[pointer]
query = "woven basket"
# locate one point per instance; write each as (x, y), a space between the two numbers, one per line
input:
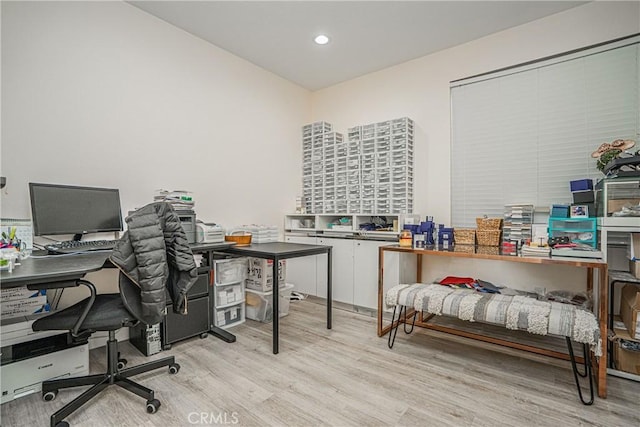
(467, 249)
(488, 237)
(488, 250)
(464, 236)
(489, 223)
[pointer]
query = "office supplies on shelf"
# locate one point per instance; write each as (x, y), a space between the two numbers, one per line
(17, 233)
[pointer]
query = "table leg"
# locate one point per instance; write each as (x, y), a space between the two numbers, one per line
(603, 312)
(329, 295)
(276, 305)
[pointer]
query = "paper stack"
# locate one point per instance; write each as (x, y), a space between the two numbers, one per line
(180, 200)
(541, 251)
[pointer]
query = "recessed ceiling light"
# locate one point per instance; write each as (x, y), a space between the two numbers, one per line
(321, 39)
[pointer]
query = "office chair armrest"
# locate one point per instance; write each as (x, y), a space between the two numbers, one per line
(53, 285)
(69, 284)
(85, 311)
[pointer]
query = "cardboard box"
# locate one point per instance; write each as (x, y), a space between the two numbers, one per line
(260, 274)
(634, 268)
(633, 253)
(629, 308)
(624, 359)
(24, 307)
(615, 205)
(13, 294)
(37, 301)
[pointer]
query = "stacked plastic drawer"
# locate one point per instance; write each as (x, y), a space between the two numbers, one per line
(401, 165)
(371, 173)
(313, 166)
(518, 220)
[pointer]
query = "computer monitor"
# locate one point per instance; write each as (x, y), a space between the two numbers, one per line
(67, 209)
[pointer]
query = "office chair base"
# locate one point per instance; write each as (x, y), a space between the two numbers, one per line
(99, 382)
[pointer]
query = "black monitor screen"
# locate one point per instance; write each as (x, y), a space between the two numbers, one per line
(65, 209)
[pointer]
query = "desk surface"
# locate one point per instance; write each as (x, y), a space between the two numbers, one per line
(280, 250)
(44, 268)
(494, 253)
(47, 268)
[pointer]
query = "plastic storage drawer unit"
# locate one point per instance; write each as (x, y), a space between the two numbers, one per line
(580, 230)
(231, 316)
(232, 270)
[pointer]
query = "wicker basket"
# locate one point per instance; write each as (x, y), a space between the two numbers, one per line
(489, 223)
(467, 249)
(464, 236)
(488, 250)
(489, 237)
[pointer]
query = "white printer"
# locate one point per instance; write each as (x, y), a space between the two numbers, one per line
(29, 358)
(209, 233)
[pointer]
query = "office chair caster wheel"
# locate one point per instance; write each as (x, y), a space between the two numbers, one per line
(62, 424)
(204, 335)
(174, 368)
(122, 363)
(50, 395)
(152, 406)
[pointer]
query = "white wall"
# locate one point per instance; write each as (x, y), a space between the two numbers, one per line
(419, 89)
(103, 94)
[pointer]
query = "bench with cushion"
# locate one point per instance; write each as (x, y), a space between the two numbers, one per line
(508, 311)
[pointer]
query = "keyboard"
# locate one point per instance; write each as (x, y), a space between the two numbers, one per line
(79, 246)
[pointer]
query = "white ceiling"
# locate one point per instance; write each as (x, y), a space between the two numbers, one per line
(366, 36)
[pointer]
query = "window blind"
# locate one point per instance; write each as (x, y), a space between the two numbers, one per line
(521, 136)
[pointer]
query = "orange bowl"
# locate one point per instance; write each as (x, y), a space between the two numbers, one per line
(240, 239)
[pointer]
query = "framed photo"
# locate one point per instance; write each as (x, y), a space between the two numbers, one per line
(579, 211)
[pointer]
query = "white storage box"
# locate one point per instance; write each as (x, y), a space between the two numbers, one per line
(24, 307)
(229, 294)
(232, 270)
(259, 307)
(13, 294)
(260, 275)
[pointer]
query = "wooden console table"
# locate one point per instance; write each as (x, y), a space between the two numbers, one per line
(590, 264)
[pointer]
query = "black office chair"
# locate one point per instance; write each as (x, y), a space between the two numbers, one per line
(104, 312)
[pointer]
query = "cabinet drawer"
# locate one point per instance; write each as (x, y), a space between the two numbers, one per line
(231, 270)
(577, 225)
(200, 287)
(227, 317)
(176, 327)
(226, 295)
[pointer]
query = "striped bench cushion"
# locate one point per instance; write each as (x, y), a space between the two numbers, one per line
(512, 312)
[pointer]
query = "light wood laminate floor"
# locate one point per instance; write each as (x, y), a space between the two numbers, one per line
(343, 377)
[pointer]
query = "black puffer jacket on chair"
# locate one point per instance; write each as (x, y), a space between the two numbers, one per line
(155, 254)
